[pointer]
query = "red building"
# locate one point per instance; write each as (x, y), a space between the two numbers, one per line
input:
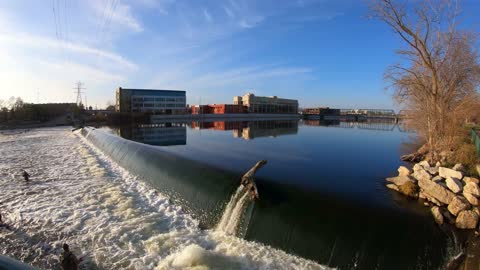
(218, 109)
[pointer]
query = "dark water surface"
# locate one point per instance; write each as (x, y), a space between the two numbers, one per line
(322, 193)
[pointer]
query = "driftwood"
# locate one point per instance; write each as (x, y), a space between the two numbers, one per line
(414, 157)
(418, 156)
(248, 179)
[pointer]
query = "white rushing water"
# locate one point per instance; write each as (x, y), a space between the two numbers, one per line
(79, 196)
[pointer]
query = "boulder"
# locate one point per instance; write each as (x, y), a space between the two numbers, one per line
(470, 198)
(409, 189)
(417, 167)
(478, 169)
(422, 174)
(446, 172)
(436, 191)
(437, 215)
(454, 184)
(437, 178)
(467, 219)
(458, 167)
(399, 180)
(422, 195)
(458, 204)
(403, 171)
(424, 164)
(432, 170)
(467, 179)
(434, 201)
(472, 188)
(438, 164)
(392, 186)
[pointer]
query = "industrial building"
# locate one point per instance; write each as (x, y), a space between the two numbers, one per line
(149, 100)
(258, 104)
(218, 109)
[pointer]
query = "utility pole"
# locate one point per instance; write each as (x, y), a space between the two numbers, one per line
(79, 87)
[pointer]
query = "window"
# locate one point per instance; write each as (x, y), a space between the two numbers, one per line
(148, 99)
(170, 99)
(159, 99)
(148, 105)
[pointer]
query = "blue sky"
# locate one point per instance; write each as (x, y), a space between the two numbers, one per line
(321, 52)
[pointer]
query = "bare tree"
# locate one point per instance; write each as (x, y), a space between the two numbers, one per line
(439, 74)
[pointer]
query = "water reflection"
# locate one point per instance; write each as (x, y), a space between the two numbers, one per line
(370, 124)
(168, 134)
(250, 130)
(160, 134)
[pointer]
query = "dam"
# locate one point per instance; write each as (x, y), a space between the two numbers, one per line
(312, 222)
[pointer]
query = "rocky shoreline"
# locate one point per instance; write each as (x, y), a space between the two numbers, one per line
(452, 196)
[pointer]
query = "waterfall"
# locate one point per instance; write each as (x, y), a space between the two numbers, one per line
(232, 216)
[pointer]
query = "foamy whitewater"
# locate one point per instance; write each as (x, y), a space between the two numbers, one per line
(109, 218)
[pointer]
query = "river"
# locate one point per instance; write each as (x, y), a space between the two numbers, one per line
(322, 202)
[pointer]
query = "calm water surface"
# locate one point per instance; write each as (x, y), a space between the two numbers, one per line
(350, 160)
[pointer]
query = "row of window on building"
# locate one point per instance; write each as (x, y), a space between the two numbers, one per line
(157, 99)
(174, 102)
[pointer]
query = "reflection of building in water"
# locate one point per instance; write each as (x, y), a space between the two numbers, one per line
(219, 125)
(270, 128)
(252, 129)
(159, 134)
(373, 124)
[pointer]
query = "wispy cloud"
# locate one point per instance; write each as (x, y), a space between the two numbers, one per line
(32, 41)
(207, 15)
(229, 12)
(250, 22)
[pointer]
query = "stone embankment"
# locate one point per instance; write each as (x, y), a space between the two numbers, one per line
(452, 196)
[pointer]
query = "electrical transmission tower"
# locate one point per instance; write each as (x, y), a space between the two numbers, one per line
(79, 87)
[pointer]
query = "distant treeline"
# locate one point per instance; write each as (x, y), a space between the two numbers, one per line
(15, 110)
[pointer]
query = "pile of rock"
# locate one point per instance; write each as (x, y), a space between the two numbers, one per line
(454, 197)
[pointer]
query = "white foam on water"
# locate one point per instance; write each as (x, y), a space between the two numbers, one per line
(79, 196)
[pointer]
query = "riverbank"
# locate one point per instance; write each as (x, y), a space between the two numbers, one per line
(453, 198)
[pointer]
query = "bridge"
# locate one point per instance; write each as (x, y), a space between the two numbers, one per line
(326, 113)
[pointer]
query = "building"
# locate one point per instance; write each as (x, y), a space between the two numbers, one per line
(218, 109)
(257, 104)
(148, 100)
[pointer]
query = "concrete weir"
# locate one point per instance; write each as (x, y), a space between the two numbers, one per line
(202, 190)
